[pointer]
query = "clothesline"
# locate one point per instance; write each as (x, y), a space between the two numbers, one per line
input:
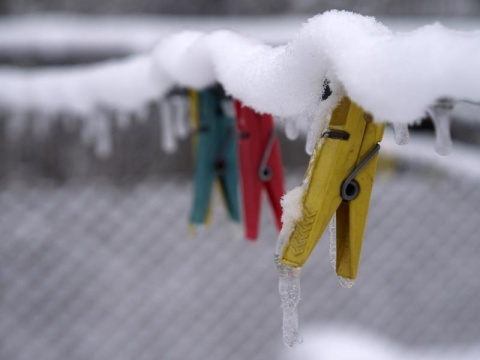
(394, 76)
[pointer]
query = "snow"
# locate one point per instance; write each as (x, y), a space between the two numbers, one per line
(395, 76)
(123, 85)
(341, 342)
(292, 204)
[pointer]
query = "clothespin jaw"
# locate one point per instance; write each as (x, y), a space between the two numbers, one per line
(339, 180)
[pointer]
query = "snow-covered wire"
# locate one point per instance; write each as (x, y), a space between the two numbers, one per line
(394, 76)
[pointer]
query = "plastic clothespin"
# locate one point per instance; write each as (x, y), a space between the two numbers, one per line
(260, 166)
(339, 180)
(215, 145)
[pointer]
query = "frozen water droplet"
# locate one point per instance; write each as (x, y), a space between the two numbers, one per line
(168, 142)
(440, 114)
(291, 129)
(332, 229)
(345, 282)
(401, 134)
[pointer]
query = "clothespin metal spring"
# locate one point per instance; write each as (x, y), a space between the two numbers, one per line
(350, 188)
(264, 171)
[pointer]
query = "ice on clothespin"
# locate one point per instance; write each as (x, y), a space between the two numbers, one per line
(401, 133)
(168, 141)
(312, 136)
(441, 115)
(332, 230)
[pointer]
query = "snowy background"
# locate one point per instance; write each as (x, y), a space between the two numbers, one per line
(96, 261)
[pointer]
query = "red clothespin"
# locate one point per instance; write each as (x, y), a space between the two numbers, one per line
(260, 166)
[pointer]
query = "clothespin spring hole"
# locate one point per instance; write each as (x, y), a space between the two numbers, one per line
(265, 173)
(220, 166)
(350, 190)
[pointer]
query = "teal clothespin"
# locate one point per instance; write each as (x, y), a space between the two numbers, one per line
(215, 142)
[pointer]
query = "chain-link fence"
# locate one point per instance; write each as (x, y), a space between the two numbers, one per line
(96, 261)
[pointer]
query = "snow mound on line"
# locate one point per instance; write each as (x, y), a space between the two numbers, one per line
(123, 85)
(394, 76)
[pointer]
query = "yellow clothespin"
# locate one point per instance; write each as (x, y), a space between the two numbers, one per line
(339, 179)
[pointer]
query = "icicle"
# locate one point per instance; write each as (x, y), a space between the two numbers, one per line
(168, 142)
(103, 140)
(181, 120)
(89, 130)
(289, 289)
(332, 229)
(401, 134)
(227, 108)
(440, 114)
(291, 129)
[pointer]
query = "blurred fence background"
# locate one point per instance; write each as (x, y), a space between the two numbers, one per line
(96, 261)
